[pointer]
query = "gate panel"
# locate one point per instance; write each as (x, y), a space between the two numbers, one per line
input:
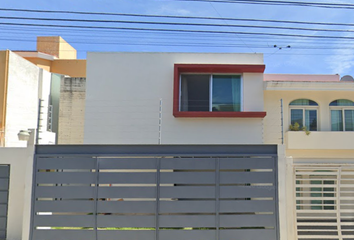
(185, 234)
(159, 197)
(248, 199)
(127, 183)
(64, 197)
(4, 193)
(325, 202)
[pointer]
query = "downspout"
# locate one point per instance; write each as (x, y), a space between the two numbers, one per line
(3, 114)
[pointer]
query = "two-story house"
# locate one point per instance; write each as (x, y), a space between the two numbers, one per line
(212, 98)
(320, 150)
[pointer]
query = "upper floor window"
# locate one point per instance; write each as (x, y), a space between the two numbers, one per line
(304, 112)
(214, 90)
(210, 92)
(342, 115)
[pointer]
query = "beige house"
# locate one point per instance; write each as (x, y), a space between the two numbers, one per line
(320, 159)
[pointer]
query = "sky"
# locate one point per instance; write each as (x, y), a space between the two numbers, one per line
(296, 55)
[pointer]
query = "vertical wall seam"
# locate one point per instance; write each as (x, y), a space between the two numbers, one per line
(276, 183)
(338, 198)
(6, 78)
(217, 197)
(33, 197)
(157, 210)
(96, 195)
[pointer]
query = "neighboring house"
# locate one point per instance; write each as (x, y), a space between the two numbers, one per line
(33, 84)
(210, 98)
(322, 175)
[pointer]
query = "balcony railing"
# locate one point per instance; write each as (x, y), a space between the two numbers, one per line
(320, 140)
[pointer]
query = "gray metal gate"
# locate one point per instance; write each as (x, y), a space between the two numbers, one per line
(155, 193)
(4, 193)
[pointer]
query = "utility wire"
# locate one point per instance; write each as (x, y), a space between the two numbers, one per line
(164, 43)
(239, 38)
(202, 39)
(176, 24)
(282, 3)
(178, 17)
(180, 30)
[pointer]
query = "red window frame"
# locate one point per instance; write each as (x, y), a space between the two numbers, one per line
(212, 68)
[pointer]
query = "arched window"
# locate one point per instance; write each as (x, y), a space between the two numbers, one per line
(304, 112)
(342, 115)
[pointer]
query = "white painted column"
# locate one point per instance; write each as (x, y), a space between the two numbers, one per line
(290, 199)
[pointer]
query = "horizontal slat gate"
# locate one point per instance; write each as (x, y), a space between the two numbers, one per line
(325, 202)
(150, 198)
(4, 193)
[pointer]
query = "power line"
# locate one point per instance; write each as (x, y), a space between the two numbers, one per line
(181, 39)
(165, 43)
(177, 17)
(180, 30)
(176, 24)
(282, 3)
(196, 45)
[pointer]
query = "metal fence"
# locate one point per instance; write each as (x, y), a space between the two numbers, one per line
(156, 193)
(4, 193)
(325, 202)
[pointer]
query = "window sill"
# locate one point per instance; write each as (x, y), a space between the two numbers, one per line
(220, 114)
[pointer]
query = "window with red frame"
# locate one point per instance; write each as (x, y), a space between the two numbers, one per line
(212, 90)
(210, 93)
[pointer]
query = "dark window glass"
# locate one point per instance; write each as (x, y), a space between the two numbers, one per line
(349, 120)
(195, 92)
(342, 102)
(303, 102)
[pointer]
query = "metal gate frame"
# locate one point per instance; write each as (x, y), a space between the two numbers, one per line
(325, 171)
(158, 151)
(4, 198)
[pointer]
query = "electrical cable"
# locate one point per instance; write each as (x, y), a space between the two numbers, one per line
(179, 30)
(176, 17)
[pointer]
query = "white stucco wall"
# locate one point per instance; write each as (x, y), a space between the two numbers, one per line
(22, 99)
(27, 83)
(21, 165)
(123, 92)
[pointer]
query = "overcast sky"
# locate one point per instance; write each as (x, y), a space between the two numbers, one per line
(304, 56)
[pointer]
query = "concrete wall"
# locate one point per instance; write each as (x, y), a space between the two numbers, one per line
(123, 93)
(22, 99)
(21, 165)
(72, 111)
